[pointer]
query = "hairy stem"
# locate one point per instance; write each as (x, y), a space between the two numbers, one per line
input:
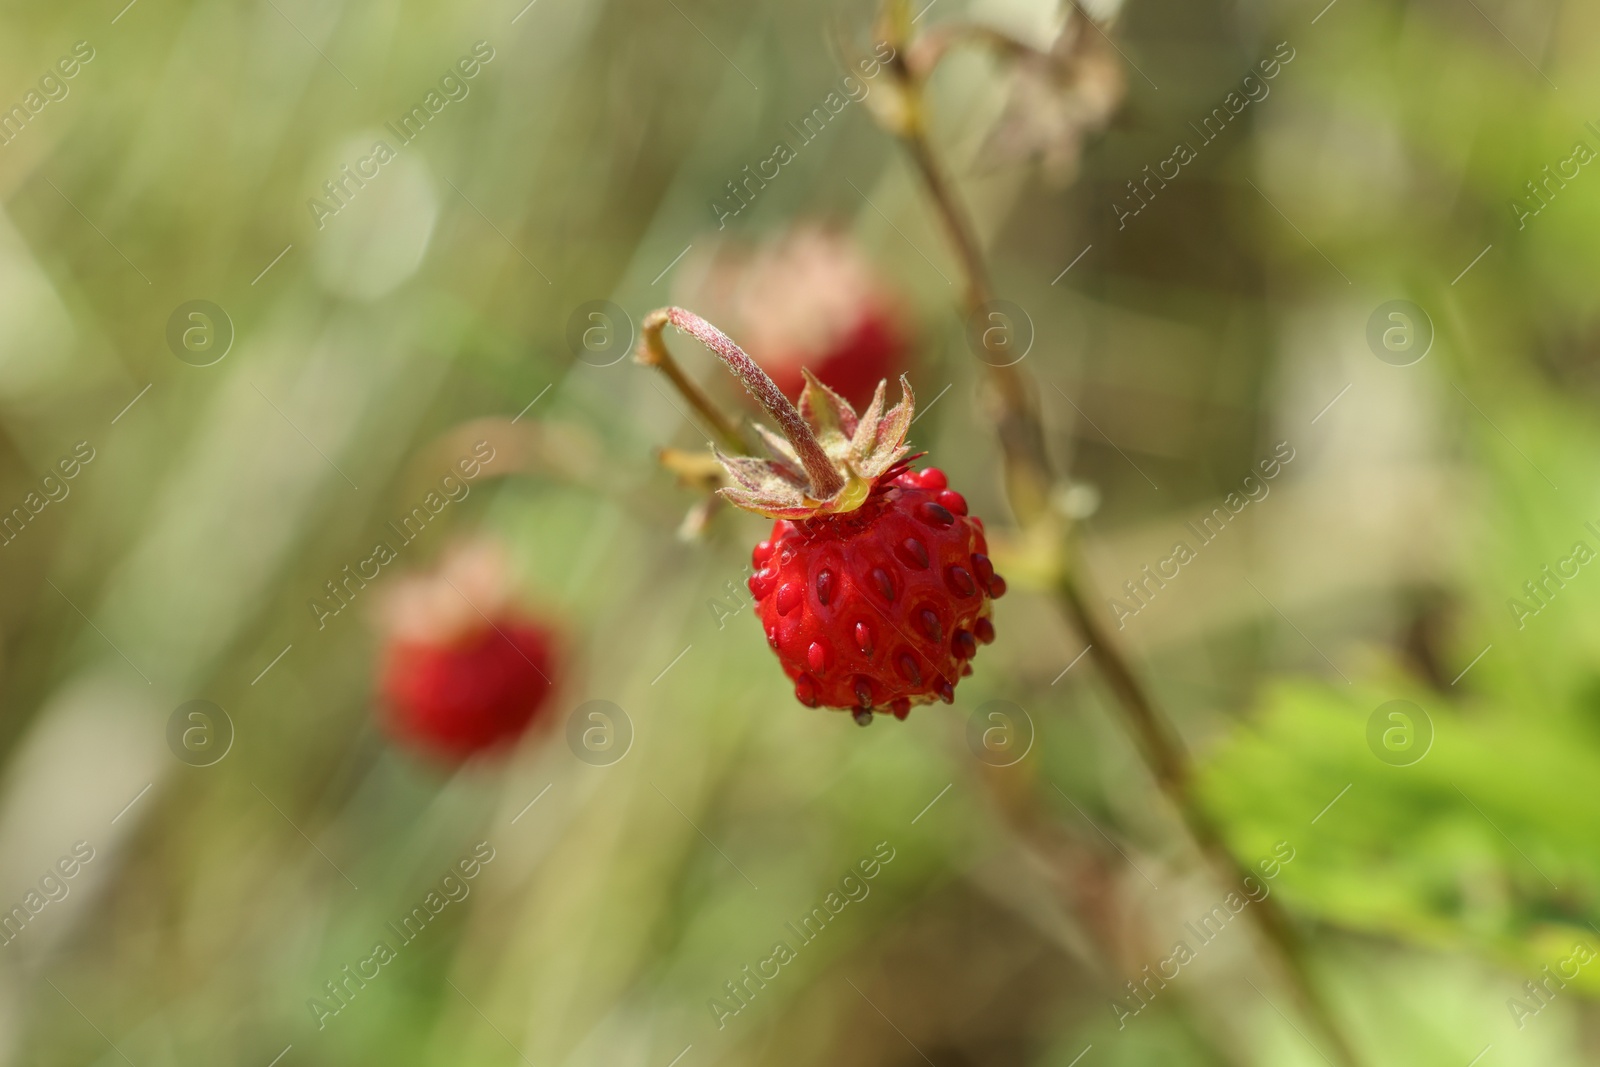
(825, 480)
(1029, 478)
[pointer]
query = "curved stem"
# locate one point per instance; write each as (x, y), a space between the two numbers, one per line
(1029, 477)
(826, 481)
(958, 227)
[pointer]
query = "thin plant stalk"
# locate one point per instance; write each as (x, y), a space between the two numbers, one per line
(1029, 478)
(653, 352)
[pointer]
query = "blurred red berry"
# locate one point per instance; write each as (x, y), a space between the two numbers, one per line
(464, 671)
(852, 365)
(479, 693)
(809, 300)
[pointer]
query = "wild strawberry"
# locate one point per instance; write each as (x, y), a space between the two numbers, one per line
(875, 585)
(463, 671)
(883, 606)
(809, 299)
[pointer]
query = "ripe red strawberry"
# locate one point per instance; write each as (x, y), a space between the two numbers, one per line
(464, 672)
(881, 607)
(875, 585)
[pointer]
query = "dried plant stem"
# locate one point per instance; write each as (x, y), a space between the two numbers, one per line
(1029, 479)
(826, 481)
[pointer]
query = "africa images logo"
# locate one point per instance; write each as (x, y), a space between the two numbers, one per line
(853, 90)
(454, 85)
(852, 887)
(1211, 127)
(454, 887)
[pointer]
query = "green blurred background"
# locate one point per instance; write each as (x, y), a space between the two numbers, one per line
(1433, 879)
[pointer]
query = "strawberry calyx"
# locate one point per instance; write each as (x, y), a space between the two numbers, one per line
(862, 449)
(827, 460)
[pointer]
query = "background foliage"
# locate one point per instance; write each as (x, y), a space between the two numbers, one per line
(435, 307)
